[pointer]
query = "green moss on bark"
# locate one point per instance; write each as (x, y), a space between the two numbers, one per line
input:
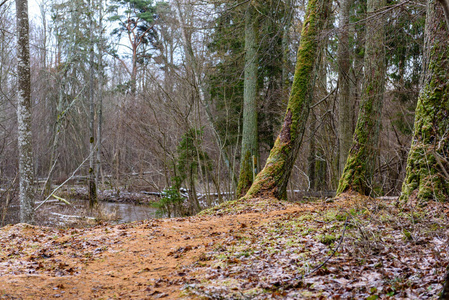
(250, 145)
(428, 160)
(359, 167)
(246, 175)
(273, 179)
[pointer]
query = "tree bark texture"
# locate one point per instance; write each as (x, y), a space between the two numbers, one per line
(26, 170)
(250, 145)
(428, 160)
(445, 4)
(285, 49)
(360, 164)
(100, 97)
(273, 179)
(92, 178)
(345, 104)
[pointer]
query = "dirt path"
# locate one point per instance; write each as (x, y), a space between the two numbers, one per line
(143, 260)
(261, 249)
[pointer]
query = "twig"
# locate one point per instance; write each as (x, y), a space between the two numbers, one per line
(3, 3)
(388, 198)
(324, 99)
(72, 216)
(332, 254)
(61, 199)
(59, 186)
(48, 178)
(438, 158)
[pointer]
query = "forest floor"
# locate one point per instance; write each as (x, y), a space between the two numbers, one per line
(259, 249)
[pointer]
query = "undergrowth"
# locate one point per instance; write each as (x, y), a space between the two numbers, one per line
(387, 252)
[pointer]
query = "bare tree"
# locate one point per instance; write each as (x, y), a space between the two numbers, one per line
(26, 170)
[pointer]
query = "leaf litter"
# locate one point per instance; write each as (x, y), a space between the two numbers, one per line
(257, 249)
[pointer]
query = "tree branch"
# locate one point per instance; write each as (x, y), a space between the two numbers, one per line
(3, 3)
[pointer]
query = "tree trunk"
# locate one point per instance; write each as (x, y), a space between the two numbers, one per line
(445, 4)
(250, 145)
(428, 160)
(311, 160)
(360, 163)
(273, 179)
(55, 145)
(345, 105)
(92, 183)
(100, 98)
(26, 171)
(285, 48)
(193, 64)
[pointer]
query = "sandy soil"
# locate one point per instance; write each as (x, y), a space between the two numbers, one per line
(259, 249)
(142, 260)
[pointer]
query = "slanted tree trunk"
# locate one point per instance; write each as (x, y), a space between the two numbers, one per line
(273, 179)
(26, 171)
(285, 85)
(428, 160)
(250, 144)
(345, 105)
(359, 168)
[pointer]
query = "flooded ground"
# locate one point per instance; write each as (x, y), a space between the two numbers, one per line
(57, 214)
(128, 212)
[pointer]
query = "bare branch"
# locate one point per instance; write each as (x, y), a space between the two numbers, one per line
(3, 3)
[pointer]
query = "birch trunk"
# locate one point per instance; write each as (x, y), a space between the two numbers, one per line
(26, 171)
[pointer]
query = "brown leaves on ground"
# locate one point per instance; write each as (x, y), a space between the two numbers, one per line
(261, 249)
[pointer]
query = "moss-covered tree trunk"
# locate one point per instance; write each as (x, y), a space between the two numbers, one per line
(250, 145)
(428, 160)
(273, 179)
(359, 168)
(345, 101)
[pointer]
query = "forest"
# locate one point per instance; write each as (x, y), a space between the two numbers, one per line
(277, 149)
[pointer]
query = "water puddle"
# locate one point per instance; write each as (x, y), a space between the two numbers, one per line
(55, 213)
(128, 212)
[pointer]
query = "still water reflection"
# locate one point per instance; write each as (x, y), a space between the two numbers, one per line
(58, 214)
(127, 212)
